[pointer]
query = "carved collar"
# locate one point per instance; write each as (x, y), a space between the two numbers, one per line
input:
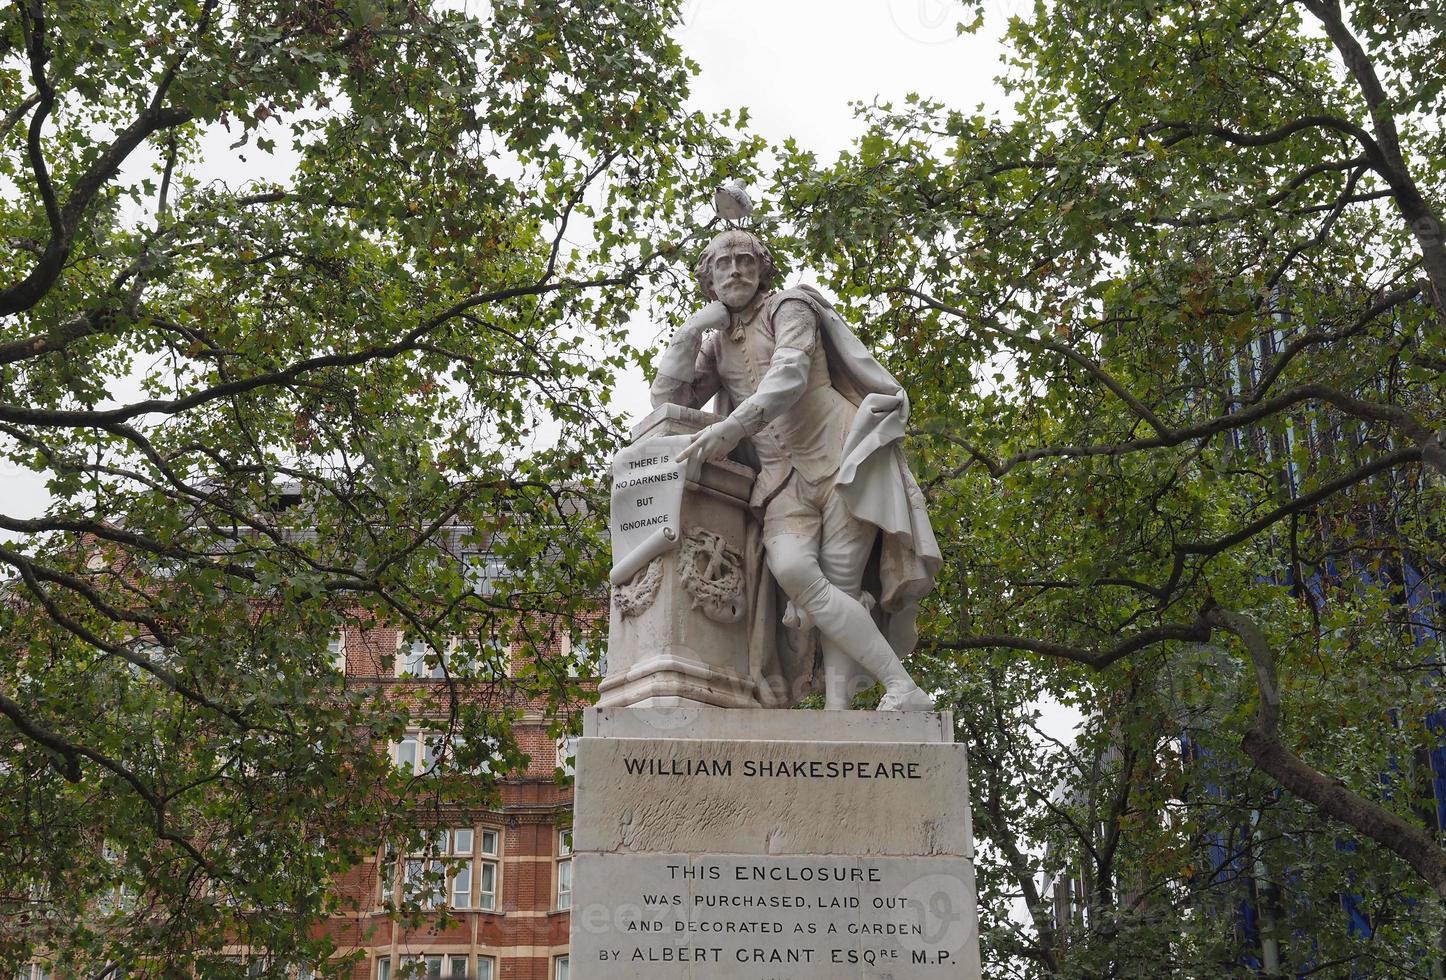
(739, 319)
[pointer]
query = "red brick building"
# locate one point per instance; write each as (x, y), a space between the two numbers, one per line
(508, 885)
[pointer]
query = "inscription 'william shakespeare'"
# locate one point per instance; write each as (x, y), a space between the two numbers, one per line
(772, 769)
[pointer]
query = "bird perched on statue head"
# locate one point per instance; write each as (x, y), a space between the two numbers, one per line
(732, 202)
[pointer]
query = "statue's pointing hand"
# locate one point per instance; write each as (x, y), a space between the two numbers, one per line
(714, 442)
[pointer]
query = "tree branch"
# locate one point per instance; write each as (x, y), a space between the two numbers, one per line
(1425, 225)
(172, 406)
(1091, 366)
(13, 117)
(1262, 743)
(1254, 412)
(65, 219)
(1196, 632)
(1302, 503)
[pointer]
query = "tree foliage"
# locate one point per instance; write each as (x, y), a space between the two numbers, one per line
(1173, 331)
(295, 310)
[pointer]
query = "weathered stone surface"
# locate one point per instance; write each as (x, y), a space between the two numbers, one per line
(672, 644)
(680, 718)
(855, 862)
(845, 532)
(772, 797)
(673, 916)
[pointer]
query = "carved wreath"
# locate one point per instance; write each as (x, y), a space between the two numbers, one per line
(713, 576)
(638, 595)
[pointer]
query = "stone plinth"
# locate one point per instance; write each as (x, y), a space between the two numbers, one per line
(771, 845)
(667, 638)
(676, 718)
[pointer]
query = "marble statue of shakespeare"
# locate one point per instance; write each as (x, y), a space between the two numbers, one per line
(840, 525)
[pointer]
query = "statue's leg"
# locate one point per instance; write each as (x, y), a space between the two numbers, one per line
(844, 547)
(842, 619)
(845, 544)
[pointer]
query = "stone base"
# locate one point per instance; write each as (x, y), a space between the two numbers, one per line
(683, 718)
(771, 845)
(679, 678)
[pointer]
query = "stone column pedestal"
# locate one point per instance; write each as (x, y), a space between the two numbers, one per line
(678, 630)
(769, 844)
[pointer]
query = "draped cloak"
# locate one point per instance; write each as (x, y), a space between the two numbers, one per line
(876, 485)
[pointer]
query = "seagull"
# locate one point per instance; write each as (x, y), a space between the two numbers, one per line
(732, 202)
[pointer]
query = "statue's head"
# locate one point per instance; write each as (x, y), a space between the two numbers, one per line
(734, 267)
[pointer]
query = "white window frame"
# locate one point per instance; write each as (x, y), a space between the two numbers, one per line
(409, 744)
(561, 967)
(463, 868)
(488, 860)
(563, 896)
(336, 647)
(481, 859)
(448, 965)
(567, 754)
(584, 640)
(482, 570)
(423, 746)
(411, 661)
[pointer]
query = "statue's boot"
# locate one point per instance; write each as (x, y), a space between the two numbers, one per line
(847, 626)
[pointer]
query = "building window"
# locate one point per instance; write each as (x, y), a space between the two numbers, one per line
(567, 755)
(429, 753)
(483, 570)
(564, 870)
(458, 867)
(495, 657)
(559, 968)
(408, 752)
(412, 661)
(589, 652)
(121, 896)
(472, 857)
(424, 879)
(436, 966)
(418, 877)
(461, 842)
(336, 649)
(489, 848)
(463, 660)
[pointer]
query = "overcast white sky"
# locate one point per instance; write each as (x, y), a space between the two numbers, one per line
(798, 64)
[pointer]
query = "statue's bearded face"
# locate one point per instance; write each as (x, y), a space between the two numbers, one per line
(735, 274)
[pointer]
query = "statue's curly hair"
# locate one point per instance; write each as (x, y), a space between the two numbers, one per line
(767, 268)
